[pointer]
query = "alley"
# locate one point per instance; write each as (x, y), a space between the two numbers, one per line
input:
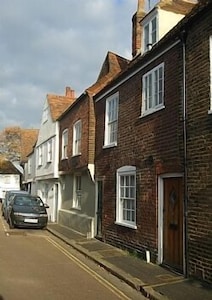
(35, 265)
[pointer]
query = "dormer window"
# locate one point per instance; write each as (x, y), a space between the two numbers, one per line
(150, 33)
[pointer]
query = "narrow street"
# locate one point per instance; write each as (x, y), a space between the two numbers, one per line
(36, 265)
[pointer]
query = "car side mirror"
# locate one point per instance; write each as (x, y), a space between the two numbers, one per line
(46, 205)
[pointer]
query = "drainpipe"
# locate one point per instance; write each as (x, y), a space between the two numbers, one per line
(183, 40)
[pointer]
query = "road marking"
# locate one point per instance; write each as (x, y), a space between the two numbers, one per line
(100, 279)
(3, 225)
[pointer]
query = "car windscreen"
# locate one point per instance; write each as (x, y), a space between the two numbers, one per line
(28, 201)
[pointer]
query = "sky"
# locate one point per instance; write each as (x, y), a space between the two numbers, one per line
(47, 45)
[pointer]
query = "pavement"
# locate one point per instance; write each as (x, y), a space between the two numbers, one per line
(153, 281)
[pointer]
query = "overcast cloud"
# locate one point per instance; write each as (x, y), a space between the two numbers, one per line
(47, 45)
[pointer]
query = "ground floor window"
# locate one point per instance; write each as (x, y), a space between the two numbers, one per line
(126, 196)
(77, 192)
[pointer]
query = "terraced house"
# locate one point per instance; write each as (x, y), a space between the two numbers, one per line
(47, 151)
(79, 209)
(152, 123)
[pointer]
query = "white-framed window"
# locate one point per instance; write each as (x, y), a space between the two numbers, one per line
(65, 144)
(40, 155)
(150, 33)
(77, 134)
(153, 90)
(29, 165)
(126, 196)
(111, 120)
(49, 150)
(77, 192)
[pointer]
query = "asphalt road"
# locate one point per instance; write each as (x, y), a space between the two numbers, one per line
(36, 265)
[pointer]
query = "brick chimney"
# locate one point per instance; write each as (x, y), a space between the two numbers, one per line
(70, 93)
(136, 28)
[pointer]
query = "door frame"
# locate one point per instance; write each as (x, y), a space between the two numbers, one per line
(98, 218)
(160, 216)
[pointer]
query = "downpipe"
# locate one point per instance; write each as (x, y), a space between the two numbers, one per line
(183, 40)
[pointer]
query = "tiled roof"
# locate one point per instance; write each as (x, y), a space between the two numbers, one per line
(28, 139)
(6, 167)
(58, 104)
(177, 6)
(112, 66)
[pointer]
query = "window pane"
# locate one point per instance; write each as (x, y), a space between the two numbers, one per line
(153, 23)
(153, 88)
(146, 37)
(150, 91)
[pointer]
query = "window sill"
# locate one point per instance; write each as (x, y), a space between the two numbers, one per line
(74, 155)
(126, 225)
(109, 146)
(64, 158)
(152, 111)
(76, 208)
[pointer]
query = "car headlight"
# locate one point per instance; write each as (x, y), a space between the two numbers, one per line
(43, 215)
(17, 214)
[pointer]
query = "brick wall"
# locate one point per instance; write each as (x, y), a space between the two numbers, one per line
(81, 110)
(199, 148)
(153, 144)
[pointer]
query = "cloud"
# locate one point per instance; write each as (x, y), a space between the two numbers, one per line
(48, 45)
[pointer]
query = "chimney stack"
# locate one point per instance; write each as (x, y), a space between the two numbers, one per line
(136, 28)
(70, 93)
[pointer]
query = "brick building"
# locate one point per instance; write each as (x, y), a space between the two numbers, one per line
(76, 154)
(147, 144)
(198, 68)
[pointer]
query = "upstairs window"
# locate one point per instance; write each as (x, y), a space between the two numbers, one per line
(29, 165)
(49, 151)
(40, 156)
(126, 196)
(65, 144)
(77, 133)
(153, 90)
(111, 120)
(150, 34)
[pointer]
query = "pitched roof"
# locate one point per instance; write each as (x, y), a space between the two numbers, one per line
(112, 65)
(58, 104)
(28, 139)
(7, 167)
(177, 6)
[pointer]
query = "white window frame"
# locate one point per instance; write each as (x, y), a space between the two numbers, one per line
(77, 136)
(153, 90)
(49, 150)
(148, 40)
(40, 155)
(77, 192)
(126, 194)
(29, 165)
(111, 120)
(65, 144)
